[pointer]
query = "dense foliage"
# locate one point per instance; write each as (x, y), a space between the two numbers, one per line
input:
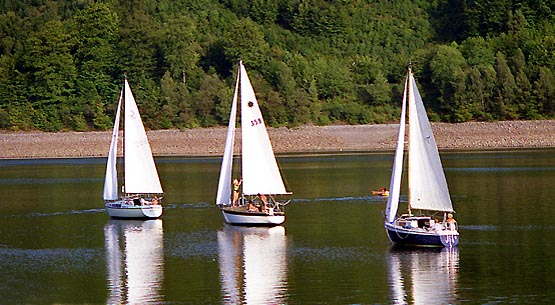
(62, 62)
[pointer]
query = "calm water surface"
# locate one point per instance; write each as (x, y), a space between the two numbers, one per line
(57, 244)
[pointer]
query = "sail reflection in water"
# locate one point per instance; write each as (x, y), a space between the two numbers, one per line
(253, 265)
(423, 275)
(135, 261)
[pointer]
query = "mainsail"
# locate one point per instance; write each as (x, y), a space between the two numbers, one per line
(259, 166)
(141, 175)
(111, 179)
(427, 185)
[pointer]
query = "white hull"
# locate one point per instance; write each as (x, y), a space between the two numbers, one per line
(252, 219)
(118, 210)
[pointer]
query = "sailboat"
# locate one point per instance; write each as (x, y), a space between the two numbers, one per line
(428, 193)
(141, 192)
(261, 180)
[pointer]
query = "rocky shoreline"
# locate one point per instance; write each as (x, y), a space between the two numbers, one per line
(304, 139)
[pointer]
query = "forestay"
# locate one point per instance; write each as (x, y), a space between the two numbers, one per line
(224, 183)
(395, 185)
(111, 179)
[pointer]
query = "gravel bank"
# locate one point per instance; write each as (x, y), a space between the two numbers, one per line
(305, 139)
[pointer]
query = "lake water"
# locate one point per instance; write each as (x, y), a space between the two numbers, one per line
(57, 244)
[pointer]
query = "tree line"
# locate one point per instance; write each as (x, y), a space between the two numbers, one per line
(62, 63)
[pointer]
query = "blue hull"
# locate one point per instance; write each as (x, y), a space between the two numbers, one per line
(408, 238)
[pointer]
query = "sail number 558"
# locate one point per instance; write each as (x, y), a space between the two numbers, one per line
(256, 122)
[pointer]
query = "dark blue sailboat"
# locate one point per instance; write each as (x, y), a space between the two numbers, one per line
(428, 194)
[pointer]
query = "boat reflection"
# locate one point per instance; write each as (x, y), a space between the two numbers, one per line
(135, 261)
(253, 265)
(423, 275)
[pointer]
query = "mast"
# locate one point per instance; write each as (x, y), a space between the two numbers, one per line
(240, 106)
(409, 110)
(123, 137)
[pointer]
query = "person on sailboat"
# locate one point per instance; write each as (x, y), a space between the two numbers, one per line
(451, 222)
(236, 185)
(252, 207)
(264, 204)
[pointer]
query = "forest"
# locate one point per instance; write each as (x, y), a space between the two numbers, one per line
(62, 63)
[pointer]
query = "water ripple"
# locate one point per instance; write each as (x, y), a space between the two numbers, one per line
(370, 199)
(19, 181)
(505, 228)
(193, 205)
(192, 244)
(346, 255)
(479, 227)
(54, 260)
(500, 169)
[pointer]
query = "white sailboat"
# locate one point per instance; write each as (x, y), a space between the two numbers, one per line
(261, 179)
(253, 265)
(142, 192)
(134, 261)
(427, 187)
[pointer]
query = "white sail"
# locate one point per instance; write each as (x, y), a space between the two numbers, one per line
(141, 175)
(111, 179)
(427, 185)
(260, 170)
(224, 183)
(395, 185)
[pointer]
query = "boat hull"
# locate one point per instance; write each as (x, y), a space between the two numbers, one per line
(409, 237)
(117, 210)
(242, 218)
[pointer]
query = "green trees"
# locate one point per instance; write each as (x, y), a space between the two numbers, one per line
(94, 29)
(51, 77)
(62, 63)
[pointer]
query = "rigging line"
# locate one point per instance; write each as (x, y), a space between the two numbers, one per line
(398, 234)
